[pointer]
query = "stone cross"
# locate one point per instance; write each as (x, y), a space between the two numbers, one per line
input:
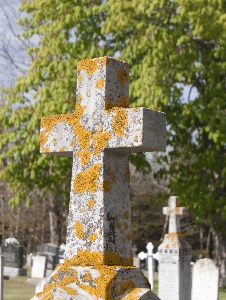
(142, 255)
(99, 136)
(174, 211)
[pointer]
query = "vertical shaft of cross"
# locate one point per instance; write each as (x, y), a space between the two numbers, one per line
(99, 229)
(174, 211)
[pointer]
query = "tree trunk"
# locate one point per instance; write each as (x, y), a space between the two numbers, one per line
(53, 220)
(220, 255)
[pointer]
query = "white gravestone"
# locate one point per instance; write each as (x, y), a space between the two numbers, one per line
(149, 257)
(99, 136)
(174, 258)
(38, 269)
(205, 280)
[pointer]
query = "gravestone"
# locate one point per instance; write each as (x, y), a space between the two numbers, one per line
(205, 280)
(174, 258)
(136, 260)
(99, 136)
(13, 260)
(38, 270)
(51, 252)
(149, 257)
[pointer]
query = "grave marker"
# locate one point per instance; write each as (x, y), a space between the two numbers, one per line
(99, 136)
(205, 280)
(149, 256)
(14, 260)
(174, 257)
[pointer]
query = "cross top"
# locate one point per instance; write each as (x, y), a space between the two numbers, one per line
(174, 211)
(99, 135)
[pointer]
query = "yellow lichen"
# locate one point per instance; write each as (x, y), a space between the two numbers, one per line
(100, 140)
(126, 225)
(123, 102)
(106, 185)
(88, 65)
(118, 225)
(62, 149)
(123, 76)
(87, 180)
(92, 237)
(43, 140)
(120, 121)
(84, 156)
(124, 286)
(48, 296)
(135, 139)
(80, 78)
(79, 97)
(91, 202)
(78, 229)
(100, 83)
(87, 276)
(126, 215)
(72, 143)
(128, 174)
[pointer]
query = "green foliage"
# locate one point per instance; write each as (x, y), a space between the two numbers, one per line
(169, 45)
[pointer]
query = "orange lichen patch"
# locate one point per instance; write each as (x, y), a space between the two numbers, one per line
(123, 76)
(120, 121)
(135, 139)
(118, 225)
(128, 174)
(82, 210)
(38, 295)
(88, 65)
(87, 276)
(55, 276)
(43, 140)
(100, 140)
(84, 156)
(87, 258)
(91, 202)
(129, 237)
(126, 215)
(62, 149)
(136, 294)
(72, 143)
(124, 286)
(100, 83)
(48, 296)
(80, 78)
(106, 185)
(103, 60)
(79, 230)
(123, 102)
(92, 237)
(83, 136)
(167, 246)
(126, 226)
(87, 180)
(79, 97)
(54, 141)
(110, 104)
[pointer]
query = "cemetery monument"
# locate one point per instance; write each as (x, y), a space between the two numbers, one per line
(174, 257)
(99, 136)
(205, 280)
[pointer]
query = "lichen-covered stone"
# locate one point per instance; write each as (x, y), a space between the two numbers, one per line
(99, 136)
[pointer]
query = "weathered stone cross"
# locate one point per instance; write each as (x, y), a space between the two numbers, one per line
(99, 136)
(174, 211)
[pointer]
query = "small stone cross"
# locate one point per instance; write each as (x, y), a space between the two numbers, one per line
(99, 136)
(174, 212)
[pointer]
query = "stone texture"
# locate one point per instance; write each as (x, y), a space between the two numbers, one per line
(174, 258)
(99, 136)
(205, 280)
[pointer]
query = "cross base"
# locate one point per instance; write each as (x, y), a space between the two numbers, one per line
(96, 282)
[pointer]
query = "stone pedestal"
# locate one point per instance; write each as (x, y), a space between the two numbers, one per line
(13, 272)
(174, 259)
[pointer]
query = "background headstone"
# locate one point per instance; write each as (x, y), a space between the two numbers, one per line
(149, 256)
(205, 280)
(14, 260)
(38, 269)
(174, 258)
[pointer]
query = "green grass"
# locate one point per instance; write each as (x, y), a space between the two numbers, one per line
(18, 289)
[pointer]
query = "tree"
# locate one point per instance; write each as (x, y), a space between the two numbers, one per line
(172, 45)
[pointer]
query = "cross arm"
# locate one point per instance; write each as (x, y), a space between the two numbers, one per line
(145, 131)
(179, 211)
